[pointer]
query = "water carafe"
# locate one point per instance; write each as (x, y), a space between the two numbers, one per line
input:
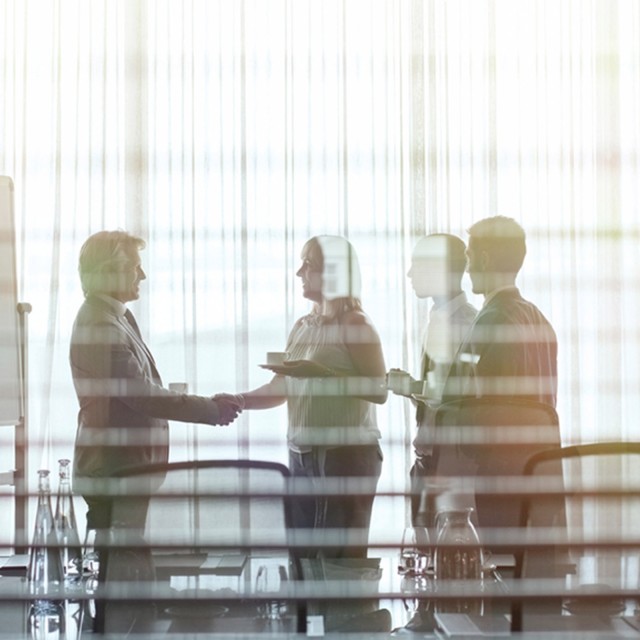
(458, 557)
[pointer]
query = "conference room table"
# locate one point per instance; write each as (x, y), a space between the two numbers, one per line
(219, 595)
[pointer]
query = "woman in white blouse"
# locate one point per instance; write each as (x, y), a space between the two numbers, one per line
(333, 376)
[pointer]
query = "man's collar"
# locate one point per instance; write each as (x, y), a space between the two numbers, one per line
(495, 292)
(114, 305)
(450, 305)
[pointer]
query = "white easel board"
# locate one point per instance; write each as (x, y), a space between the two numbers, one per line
(10, 404)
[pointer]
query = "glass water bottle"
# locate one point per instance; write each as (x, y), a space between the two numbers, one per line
(67, 528)
(458, 557)
(70, 553)
(45, 574)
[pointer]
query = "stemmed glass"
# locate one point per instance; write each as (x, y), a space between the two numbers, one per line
(413, 565)
(268, 581)
(90, 569)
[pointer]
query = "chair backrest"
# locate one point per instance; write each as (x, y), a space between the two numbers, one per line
(491, 439)
(599, 544)
(208, 505)
(203, 518)
(600, 489)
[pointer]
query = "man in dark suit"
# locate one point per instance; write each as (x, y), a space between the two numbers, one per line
(124, 408)
(511, 349)
(505, 368)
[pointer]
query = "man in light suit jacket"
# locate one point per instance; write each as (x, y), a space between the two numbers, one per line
(123, 418)
(124, 408)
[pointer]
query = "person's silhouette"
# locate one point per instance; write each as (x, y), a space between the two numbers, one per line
(438, 263)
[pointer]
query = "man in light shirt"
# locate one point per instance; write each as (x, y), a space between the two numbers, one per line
(437, 265)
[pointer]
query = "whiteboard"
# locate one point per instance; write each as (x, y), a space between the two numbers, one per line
(10, 398)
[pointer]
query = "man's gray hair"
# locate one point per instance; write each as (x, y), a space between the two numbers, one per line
(103, 254)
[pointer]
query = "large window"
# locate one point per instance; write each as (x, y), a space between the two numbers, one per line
(227, 133)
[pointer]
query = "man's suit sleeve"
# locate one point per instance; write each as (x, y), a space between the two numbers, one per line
(106, 364)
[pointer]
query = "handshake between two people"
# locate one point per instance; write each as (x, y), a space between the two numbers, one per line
(230, 406)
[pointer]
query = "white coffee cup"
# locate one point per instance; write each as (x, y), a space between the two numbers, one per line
(399, 382)
(276, 357)
(179, 387)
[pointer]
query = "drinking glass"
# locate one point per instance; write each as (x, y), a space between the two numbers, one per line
(415, 552)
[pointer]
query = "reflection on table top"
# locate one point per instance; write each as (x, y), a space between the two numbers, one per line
(201, 594)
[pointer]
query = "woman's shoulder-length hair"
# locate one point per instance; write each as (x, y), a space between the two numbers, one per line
(341, 277)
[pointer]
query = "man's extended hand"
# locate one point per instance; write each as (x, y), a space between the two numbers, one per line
(230, 406)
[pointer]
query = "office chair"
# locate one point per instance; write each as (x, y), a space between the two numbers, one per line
(600, 489)
(190, 515)
(487, 442)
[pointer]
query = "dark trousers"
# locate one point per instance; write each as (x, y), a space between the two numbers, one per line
(124, 557)
(422, 501)
(345, 479)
